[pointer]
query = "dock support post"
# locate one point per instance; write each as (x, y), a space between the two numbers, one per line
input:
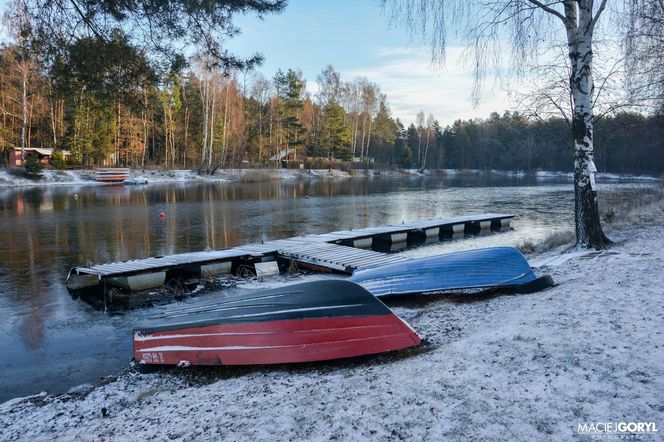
(105, 294)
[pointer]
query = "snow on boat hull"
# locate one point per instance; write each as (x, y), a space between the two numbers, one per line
(314, 321)
(482, 268)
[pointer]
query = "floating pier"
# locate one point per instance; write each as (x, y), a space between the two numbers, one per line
(341, 252)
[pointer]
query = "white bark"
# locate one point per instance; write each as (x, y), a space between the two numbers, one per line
(213, 112)
(579, 25)
(225, 134)
(145, 126)
(24, 126)
(430, 121)
(419, 121)
(53, 123)
(206, 110)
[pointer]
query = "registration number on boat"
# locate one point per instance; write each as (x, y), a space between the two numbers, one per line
(153, 358)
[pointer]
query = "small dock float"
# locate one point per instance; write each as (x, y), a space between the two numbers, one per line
(343, 252)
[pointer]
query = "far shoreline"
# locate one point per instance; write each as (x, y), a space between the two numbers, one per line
(51, 177)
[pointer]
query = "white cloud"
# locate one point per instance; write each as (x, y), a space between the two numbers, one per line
(412, 84)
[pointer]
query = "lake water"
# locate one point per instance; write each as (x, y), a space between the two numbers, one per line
(51, 341)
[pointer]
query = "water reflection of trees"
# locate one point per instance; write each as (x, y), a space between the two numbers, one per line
(54, 230)
(50, 227)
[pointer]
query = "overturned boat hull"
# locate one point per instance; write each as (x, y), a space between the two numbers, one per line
(313, 321)
(483, 268)
(111, 175)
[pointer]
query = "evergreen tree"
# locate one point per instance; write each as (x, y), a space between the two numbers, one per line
(290, 86)
(336, 135)
(385, 133)
(403, 156)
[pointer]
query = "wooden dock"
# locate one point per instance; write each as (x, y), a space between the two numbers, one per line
(343, 252)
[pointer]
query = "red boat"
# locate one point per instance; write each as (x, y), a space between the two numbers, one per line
(111, 175)
(313, 321)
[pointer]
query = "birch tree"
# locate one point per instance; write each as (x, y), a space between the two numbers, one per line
(370, 93)
(23, 69)
(419, 124)
(260, 92)
(428, 131)
(24, 66)
(526, 25)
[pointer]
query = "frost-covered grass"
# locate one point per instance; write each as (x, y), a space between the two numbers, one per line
(554, 240)
(258, 175)
(511, 367)
(15, 177)
(643, 211)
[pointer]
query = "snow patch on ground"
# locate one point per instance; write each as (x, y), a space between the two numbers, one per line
(600, 176)
(49, 178)
(85, 177)
(522, 367)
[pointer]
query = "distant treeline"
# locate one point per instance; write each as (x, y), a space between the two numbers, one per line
(106, 105)
(624, 143)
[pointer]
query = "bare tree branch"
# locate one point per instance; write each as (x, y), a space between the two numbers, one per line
(599, 13)
(551, 11)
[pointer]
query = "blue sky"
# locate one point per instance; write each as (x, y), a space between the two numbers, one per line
(356, 38)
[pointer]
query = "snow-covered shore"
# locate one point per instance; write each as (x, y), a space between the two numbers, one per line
(526, 367)
(85, 177)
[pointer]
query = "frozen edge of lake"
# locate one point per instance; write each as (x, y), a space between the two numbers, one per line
(85, 177)
(526, 367)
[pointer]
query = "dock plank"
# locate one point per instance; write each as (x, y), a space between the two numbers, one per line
(319, 249)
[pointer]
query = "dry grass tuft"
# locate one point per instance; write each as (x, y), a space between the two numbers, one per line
(556, 239)
(645, 210)
(256, 176)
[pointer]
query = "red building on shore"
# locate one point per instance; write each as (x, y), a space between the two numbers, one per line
(42, 154)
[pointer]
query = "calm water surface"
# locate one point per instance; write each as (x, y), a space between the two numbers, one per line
(50, 341)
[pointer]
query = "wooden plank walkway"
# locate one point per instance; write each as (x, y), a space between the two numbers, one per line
(335, 257)
(167, 262)
(341, 251)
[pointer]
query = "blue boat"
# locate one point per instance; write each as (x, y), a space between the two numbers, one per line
(502, 267)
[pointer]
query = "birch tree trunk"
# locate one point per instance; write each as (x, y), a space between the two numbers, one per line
(145, 126)
(206, 110)
(260, 132)
(580, 25)
(213, 112)
(54, 132)
(364, 130)
(24, 125)
(356, 127)
(117, 132)
(186, 136)
(426, 151)
(366, 151)
(225, 134)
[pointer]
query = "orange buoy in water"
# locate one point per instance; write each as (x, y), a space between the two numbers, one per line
(162, 214)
